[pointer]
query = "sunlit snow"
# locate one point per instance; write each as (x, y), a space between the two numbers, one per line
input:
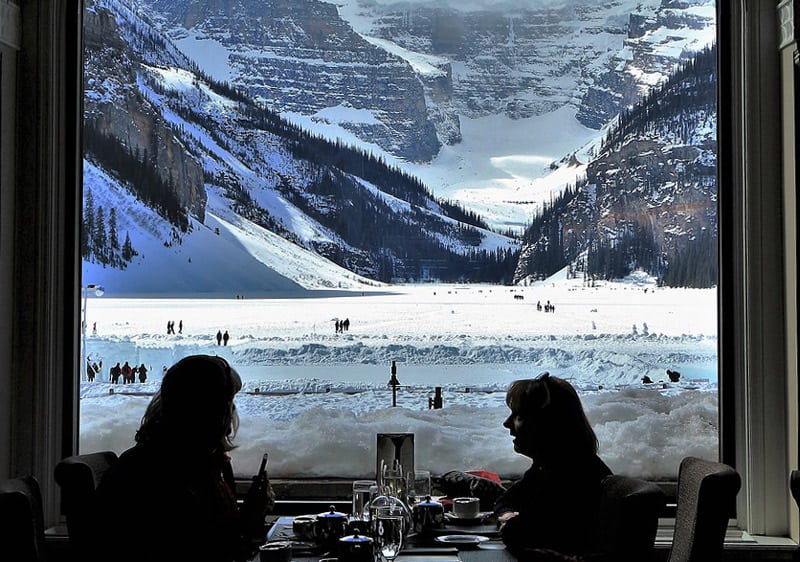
(322, 395)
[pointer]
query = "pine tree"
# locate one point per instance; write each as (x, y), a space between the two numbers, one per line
(127, 248)
(88, 224)
(100, 238)
(113, 240)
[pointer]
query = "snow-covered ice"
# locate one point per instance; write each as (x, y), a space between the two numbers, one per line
(323, 396)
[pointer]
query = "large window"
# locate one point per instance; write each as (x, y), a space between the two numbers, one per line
(470, 196)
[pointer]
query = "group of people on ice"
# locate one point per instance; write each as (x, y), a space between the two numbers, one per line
(547, 306)
(127, 373)
(342, 325)
(124, 372)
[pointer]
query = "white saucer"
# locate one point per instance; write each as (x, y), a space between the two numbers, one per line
(467, 521)
(461, 540)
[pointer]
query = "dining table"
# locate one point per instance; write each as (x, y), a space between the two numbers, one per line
(417, 548)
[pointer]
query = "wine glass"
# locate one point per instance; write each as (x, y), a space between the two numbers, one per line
(387, 531)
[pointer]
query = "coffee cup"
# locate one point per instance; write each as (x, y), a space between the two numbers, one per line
(303, 527)
(466, 508)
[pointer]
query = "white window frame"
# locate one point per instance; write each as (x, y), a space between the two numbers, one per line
(752, 310)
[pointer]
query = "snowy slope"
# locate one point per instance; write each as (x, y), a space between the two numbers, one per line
(259, 261)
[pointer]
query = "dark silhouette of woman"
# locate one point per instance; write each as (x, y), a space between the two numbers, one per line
(554, 506)
(171, 496)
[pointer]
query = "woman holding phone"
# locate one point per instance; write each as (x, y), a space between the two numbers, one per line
(171, 496)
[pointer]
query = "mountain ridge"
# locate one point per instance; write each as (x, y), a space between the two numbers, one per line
(206, 136)
(249, 156)
(648, 200)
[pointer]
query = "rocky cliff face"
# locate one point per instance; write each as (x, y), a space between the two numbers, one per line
(522, 63)
(666, 188)
(655, 42)
(299, 56)
(525, 62)
(116, 107)
(655, 178)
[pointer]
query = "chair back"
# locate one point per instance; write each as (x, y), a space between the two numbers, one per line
(706, 498)
(628, 518)
(21, 520)
(794, 486)
(78, 477)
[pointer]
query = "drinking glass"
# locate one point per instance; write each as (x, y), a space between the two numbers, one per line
(419, 485)
(361, 498)
(394, 483)
(387, 532)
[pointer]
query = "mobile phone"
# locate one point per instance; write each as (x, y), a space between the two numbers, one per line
(262, 470)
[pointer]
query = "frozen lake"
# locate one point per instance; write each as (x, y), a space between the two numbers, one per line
(322, 395)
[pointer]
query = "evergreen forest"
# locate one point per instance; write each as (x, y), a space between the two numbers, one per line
(606, 225)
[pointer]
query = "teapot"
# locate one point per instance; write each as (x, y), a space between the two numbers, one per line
(356, 548)
(329, 527)
(427, 516)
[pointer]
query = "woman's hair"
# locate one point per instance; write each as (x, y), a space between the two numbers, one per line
(554, 409)
(194, 405)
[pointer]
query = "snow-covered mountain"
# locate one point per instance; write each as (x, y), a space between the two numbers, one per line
(649, 197)
(205, 157)
(299, 56)
(188, 91)
(530, 58)
(406, 67)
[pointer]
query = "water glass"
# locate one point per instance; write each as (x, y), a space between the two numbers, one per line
(387, 532)
(419, 486)
(361, 498)
(394, 483)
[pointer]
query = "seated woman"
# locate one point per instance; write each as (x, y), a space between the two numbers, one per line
(171, 496)
(553, 507)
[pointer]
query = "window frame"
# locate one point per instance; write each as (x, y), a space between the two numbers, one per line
(754, 433)
(40, 368)
(754, 430)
